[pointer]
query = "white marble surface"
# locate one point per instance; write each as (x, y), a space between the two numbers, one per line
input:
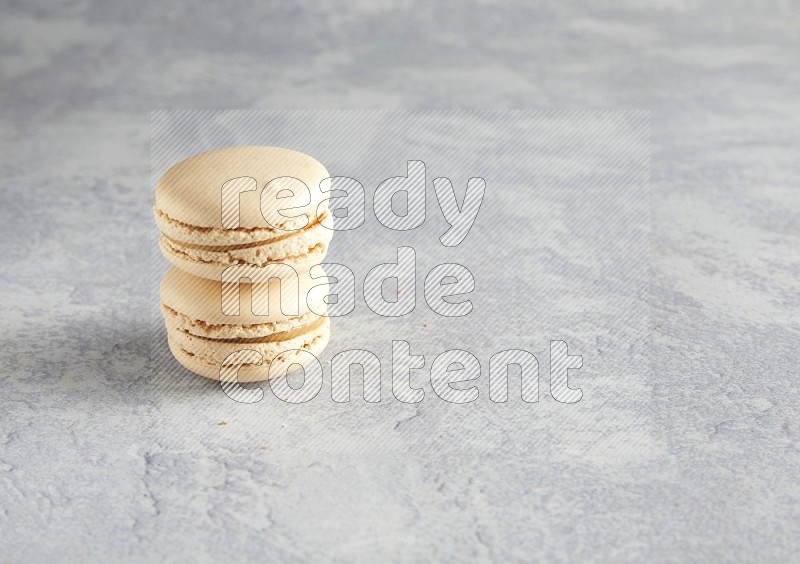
(697, 463)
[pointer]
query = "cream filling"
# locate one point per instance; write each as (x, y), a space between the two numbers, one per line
(214, 352)
(192, 234)
(259, 255)
(180, 322)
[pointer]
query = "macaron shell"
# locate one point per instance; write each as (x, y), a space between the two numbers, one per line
(249, 372)
(190, 192)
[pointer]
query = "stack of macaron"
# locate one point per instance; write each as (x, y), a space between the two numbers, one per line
(204, 233)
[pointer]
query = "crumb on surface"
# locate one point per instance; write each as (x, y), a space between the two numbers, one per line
(223, 422)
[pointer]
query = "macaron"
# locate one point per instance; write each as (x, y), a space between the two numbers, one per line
(203, 233)
(204, 339)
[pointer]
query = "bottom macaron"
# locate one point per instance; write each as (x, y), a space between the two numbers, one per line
(205, 340)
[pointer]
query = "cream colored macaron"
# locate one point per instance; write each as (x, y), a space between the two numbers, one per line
(270, 211)
(203, 338)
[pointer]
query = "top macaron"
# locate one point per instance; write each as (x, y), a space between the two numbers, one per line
(243, 205)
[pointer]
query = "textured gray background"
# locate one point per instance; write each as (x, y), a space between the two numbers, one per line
(702, 462)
